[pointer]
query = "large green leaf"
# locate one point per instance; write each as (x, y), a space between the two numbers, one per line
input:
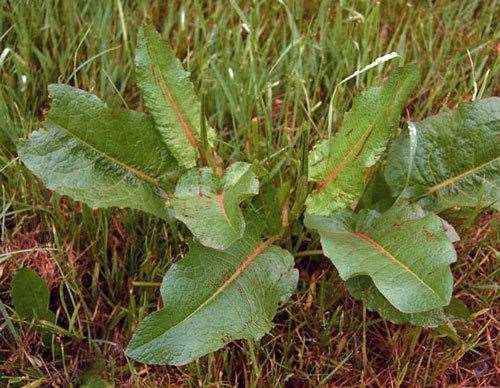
(30, 296)
(362, 288)
(339, 165)
(404, 250)
(450, 159)
(169, 96)
(212, 298)
(99, 156)
(209, 205)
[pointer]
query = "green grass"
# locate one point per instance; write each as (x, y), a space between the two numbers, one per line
(268, 73)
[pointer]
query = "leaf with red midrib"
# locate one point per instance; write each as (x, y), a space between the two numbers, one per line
(169, 96)
(100, 156)
(214, 297)
(339, 165)
(451, 159)
(405, 251)
(209, 205)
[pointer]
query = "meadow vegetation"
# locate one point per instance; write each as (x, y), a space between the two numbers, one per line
(268, 74)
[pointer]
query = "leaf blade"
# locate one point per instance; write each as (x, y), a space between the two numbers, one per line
(405, 252)
(213, 297)
(30, 296)
(465, 171)
(209, 206)
(169, 96)
(339, 165)
(362, 288)
(98, 156)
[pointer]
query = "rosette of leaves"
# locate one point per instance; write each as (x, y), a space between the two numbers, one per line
(231, 282)
(377, 227)
(393, 251)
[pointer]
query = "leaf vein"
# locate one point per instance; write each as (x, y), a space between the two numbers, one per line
(387, 254)
(456, 178)
(140, 174)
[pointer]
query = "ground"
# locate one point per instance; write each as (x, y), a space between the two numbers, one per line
(266, 71)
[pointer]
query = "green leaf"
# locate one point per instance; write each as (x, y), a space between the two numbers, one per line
(169, 96)
(209, 205)
(98, 156)
(362, 288)
(458, 311)
(30, 296)
(456, 158)
(404, 250)
(339, 165)
(212, 298)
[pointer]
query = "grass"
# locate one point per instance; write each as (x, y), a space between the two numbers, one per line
(268, 73)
